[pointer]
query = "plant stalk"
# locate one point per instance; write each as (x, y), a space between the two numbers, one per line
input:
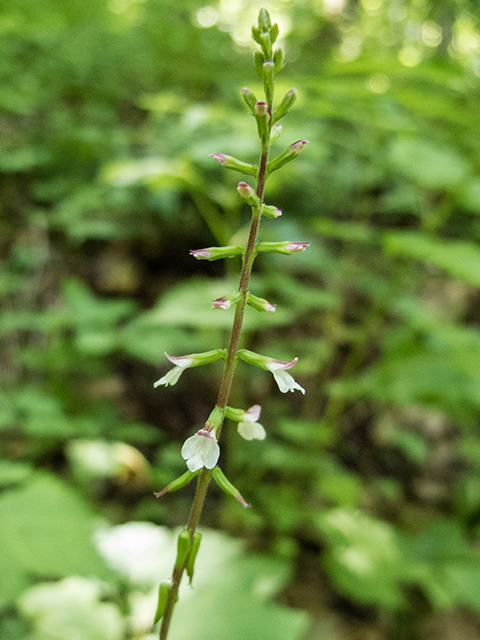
(225, 384)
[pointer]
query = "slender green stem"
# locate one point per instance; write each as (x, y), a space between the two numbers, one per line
(225, 384)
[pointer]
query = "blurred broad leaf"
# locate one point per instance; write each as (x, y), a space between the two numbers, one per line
(459, 258)
(71, 608)
(427, 163)
(46, 532)
(363, 557)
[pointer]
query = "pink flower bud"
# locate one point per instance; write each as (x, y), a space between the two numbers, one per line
(298, 146)
(245, 190)
(220, 157)
(201, 254)
(261, 108)
(221, 303)
(297, 247)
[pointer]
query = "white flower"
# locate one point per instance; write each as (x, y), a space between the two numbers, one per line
(249, 428)
(181, 363)
(201, 450)
(284, 380)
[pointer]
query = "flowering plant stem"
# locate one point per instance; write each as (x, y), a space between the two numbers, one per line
(225, 384)
(201, 451)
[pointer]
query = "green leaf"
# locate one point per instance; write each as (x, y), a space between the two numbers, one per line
(442, 562)
(46, 532)
(363, 557)
(427, 163)
(73, 607)
(241, 586)
(459, 258)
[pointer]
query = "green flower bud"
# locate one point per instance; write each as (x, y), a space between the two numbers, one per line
(184, 544)
(268, 80)
(275, 132)
(261, 115)
(190, 566)
(290, 153)
(287, 102)
(248, 194)
(271, 211)
(256, 35)
(260, 304)
(286, 247)
(250, 99)
(232, 163)
(259, 61)
(278, 61)
(228, 487)
(264, 21)
(163, 593)
(217, 253)
(274, 31)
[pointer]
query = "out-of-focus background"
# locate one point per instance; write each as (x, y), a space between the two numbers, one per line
(365, 522)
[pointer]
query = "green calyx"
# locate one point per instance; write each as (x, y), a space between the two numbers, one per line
(184, 544)
(192, 556)
(180, 482)
(163, 593)
(228, 487)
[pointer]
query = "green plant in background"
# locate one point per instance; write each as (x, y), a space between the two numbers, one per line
(201, 451)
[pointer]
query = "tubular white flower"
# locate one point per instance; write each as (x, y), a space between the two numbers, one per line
(181, 363)
(249, 428)
(284, 380)
(201, 450)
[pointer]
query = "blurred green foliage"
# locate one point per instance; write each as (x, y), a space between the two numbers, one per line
(366, 493)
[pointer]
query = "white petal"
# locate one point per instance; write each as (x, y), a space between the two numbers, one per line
(189, 447)
(252, 414)
(286, 382)
(170, 378)
(200, 451)
(195, 463)
(251, 430)
(211, 455)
